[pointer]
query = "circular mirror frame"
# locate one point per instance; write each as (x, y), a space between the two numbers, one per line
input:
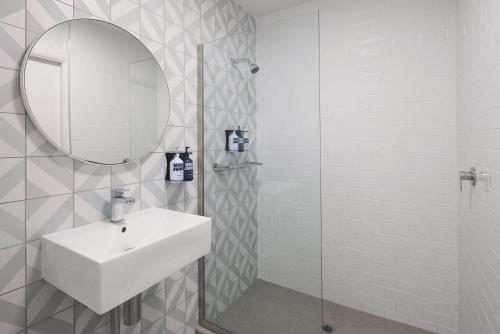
(39, 128)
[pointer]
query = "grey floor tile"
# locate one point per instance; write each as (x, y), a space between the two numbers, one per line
(266, 308)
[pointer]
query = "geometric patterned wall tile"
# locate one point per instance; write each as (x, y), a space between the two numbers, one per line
(174, 36)
(175, 288)
(207, 31)
(125, 174)
(12, 227)
(48, 215)
(156, 48)
(11, 180)
(88, 322)
(13, 311)
(176, 87)
(190, 115)
(174, 12)
(190, 91)
(155, 6)
(82, 14)
(152, 194)
(60, 323)
(126, 14)
(193, 4)
(89, 176)
(252, 24)
(43, 14)
(12, 42)
(152, 25)
(191, 279)
(153, 304)
(191, 314)
(233, 285)
(192, 20)
(12, 268)
(174, 137)
(153, 167)
(191, 206)
(13, 12)
(207, 10)
(191, 42)
(33, 262)
(174, 62)
(191, 67)
(174, 192)
(220, 22)
(124, 329)
(37, 145)
(157, 328)
(47, 176)
(10, 95)
(176, 114)
(44, 300)
(92, 206)
(63, 322)
(175, 320)
(12, 138)
(98, 8)
(179, 207)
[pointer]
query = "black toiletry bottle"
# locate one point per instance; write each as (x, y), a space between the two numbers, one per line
(188, 165)
(241, 140)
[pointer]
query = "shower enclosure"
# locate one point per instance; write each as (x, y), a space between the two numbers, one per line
(263, 274)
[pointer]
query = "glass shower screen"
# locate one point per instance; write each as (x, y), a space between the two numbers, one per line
(263, 274)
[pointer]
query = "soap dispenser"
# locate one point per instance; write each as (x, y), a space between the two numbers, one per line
(241, 140)
(232, 140)
(246, 141)
(176, 167)
(188, 165)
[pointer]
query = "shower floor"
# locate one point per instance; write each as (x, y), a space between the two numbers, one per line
(267, 308)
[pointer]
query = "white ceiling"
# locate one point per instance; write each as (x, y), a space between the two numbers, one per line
(263, 7)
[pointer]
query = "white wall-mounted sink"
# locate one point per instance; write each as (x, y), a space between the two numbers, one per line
(102, 267)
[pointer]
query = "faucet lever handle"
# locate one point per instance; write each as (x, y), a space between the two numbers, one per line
(118, 192)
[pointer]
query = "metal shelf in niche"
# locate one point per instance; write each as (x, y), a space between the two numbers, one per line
(222, 168)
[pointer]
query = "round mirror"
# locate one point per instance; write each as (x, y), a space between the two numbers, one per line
(95, 92)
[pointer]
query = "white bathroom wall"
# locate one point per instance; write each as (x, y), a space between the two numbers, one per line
(479, 145)
(289, 243)
(389, 159)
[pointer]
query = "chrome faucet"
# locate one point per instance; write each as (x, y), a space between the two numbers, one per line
(118, 200)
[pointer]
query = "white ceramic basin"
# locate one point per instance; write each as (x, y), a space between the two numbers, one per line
(102, 267)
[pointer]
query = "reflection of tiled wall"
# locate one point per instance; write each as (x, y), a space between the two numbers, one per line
(42, 190)
(230, 196)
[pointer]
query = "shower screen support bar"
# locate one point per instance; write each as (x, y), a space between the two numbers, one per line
(222, 168)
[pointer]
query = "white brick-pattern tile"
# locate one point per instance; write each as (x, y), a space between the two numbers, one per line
(478, 146)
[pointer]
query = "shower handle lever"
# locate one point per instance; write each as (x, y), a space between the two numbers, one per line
(473, 176)
(469, 175)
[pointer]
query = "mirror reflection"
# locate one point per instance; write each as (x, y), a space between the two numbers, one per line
(96, 92)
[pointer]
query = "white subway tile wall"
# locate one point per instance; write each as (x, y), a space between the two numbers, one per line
(388, 77)
(42, 190)
(479, 146)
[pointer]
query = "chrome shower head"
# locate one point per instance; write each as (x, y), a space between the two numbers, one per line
(254, 68)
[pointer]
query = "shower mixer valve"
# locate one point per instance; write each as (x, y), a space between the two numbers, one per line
(473, 176)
